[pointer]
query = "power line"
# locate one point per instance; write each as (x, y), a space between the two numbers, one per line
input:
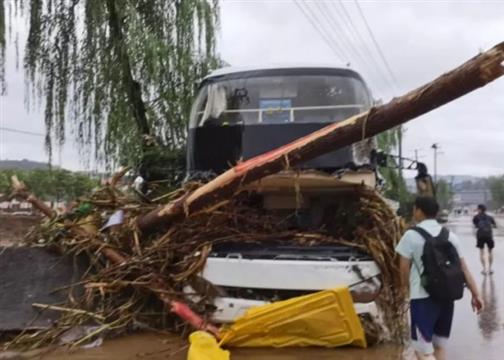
(347, 27)
(338, 39)
(334, 25)
(18, 131)
(312, 19)
(341, 31)
(375, 42)
(358, 38)
(344, 50)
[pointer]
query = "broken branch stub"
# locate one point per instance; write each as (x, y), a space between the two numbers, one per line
(20, 190)
(473, 74)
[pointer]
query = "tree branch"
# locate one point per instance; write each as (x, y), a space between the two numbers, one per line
(20, 190)
(133, 87)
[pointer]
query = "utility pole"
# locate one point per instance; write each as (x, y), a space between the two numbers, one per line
(399, 135)
(435, 147)
(417, 156)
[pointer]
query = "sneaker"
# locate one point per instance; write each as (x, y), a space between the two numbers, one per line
(490, 272)
(483, 272)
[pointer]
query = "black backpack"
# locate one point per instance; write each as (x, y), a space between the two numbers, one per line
(442, 277)
(484, 225)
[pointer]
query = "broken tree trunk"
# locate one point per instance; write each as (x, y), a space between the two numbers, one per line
(470, 76)
(20, 190)
(157, 285)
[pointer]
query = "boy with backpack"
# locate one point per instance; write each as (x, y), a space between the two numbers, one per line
(484, 224)
(433, 267)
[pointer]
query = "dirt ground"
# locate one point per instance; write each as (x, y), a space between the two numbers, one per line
(13, 228)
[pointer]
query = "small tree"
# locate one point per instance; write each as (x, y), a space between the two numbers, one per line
(496, 185)
(444, 194)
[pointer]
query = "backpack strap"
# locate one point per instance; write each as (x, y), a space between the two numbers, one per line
(427, 236)
(424, 233)
(443, 236)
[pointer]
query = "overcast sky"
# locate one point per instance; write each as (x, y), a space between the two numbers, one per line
(419, 39)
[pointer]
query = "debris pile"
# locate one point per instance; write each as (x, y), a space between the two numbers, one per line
(130, 272)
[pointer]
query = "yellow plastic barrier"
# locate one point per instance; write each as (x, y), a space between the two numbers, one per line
(326, 318)
(204, 347)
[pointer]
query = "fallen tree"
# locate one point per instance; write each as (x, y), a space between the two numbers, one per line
(475, 73)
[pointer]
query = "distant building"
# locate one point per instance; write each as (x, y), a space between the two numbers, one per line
(468, 191)
(471, 198)
(22, 207)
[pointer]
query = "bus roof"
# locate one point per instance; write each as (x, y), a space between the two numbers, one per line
(230, 70)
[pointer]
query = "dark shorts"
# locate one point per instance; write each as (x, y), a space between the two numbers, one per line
(431, 324)
(482, 240)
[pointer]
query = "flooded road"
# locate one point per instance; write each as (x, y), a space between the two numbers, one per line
(480, 337)
(157, 347)
(473, 337)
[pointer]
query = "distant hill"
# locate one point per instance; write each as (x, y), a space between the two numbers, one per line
(22, 165)
(459, 179)
(458, 182)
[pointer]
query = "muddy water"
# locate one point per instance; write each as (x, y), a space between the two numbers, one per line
(473, 337)
(150, 346)
(13, 228)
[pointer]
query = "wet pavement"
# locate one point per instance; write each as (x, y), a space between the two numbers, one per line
(480, 337)
(473, 337)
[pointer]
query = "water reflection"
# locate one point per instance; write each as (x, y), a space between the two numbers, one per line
(489, 319)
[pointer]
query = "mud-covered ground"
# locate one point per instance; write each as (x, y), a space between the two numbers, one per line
(13, 228)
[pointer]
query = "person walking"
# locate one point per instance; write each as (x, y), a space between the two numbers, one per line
(433, 288)
(484, 225)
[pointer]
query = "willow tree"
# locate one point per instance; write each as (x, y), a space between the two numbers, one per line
(119, 73)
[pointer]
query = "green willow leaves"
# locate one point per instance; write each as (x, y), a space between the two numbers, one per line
(119, 73)
(395, 185)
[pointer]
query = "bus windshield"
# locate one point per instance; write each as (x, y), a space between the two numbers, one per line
(279, 100)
